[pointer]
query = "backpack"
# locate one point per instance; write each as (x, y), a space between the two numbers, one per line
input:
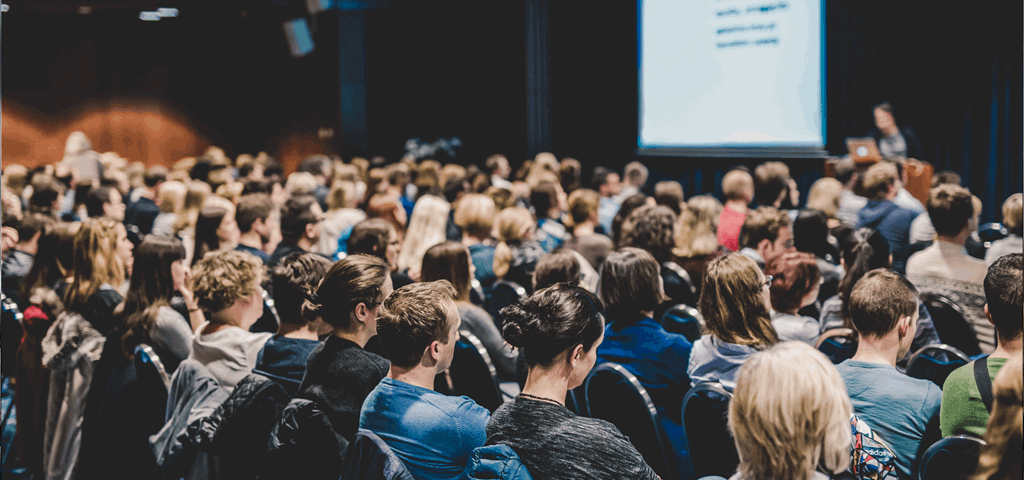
(871, 458)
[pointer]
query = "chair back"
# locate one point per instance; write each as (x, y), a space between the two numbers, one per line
(991, 232)
(473, 374)
(616, 396)
(502, 294)
(684, 320)
(705, 421)
(936, 362)
(369, 458)
(951, 323)
(838, 344)
(149, 366)
(951, 458)
(11, 324)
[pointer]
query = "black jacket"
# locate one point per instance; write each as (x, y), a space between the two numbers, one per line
(914, 148)
(304, 445)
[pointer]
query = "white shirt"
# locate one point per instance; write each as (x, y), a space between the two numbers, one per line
(1006, 246)
(947, 260)
(795, 327)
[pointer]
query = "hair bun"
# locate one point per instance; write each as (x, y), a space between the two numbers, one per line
(520, 327)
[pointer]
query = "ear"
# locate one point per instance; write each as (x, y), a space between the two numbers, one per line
(309, 230)
(763, 245)
(576, 355)
(361, 312)
(434, 349)
(988, 315)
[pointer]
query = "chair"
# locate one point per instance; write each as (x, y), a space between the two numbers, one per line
(149, 366)
(950, 458)
(684, 320)
(712, 449)
(369, 458)
(473, 374)
(502, 294)
(12, 326)
(615, 395)
(991, 232)
(935, 363)
(838, 344)
(951, 323)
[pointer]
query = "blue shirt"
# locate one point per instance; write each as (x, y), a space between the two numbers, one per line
(483, 259)
(903, 411)
(283, 360)
(433, 434)
(255, 251)
(606, 211)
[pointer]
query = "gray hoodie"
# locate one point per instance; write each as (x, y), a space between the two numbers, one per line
(713, 360)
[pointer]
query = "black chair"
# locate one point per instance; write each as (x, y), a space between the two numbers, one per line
(935, 363)
(149, 366)
(991, 232)
(615, 395)
(473, 374)
(951, 458)
(502, 294)
(12, 328)
(575, 401)
(369, 458)
(705, 417)
(951, 323)
(838, 344)
(684, 320)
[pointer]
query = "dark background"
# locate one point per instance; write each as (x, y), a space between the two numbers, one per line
(457, 68)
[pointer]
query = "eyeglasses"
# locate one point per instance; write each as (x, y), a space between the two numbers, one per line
(767, 281)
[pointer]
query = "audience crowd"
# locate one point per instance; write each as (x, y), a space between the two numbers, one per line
(295, 318)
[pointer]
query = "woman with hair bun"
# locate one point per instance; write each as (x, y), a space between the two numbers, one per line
(558, 330)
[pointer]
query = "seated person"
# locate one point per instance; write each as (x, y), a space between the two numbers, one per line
(790, 416)
(283, 358)
(738, 188)
(1000, 457)
(1013, 220)
(734, 302)
(881, 183)
(300, 220)
(517, 253)
(548, 201)
(653, 228)
(595, 247)
(253, 216)
(766, 233)
(945, 267)
(227, 285)
(964, 408)
(433, 434)
(795, 281)
(474, 213)
(631, 289)
(902, 411)
(339, 372)
(559, 330)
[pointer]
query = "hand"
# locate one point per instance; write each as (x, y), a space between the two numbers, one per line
(186, 291)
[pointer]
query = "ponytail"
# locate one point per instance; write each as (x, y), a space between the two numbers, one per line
(865, 249)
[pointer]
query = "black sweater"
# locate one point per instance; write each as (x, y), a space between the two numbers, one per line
(339, 376)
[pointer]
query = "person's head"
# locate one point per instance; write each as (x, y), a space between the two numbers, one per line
(635, 174)
(790, 414)
(341, 195)
(427, 227)
(769, 231)
(15, 178)
(570, 174)
(317, 165)
(97, 260)
(349, 296)
(630, 284)
(627, 207)
(1013, 214)
(53, 258)
(418, 326)
(946, 177)
(885, 120)
(738, 185)
(475, 215)
(171, 196)
(300, 219)
(252, 214)
(498, 165)
(884, 303)
(810, 234)
(45, 194)
(215, 229)
(227, 283)
(651, 228)
(449, 261)
(152, 285)
(771, 183)
(605, 181)
(105, 202)
(513, 226)
(558, 266)
(824, 196)
(1004, 292)
(583, 206)
(30, 229)
(864, 250)
(547, 199)
(846, 173)
(1000, 457)
(697, 228)
(734, 301)
(881, 181)
(951, 209)
(560, 326)
(375, 237)
(293, 280)
(795, 281)
(669, 194)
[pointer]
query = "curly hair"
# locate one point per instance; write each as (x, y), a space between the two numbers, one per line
(651, 228)
(222, 278)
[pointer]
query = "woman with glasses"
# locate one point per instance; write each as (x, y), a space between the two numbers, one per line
(735, 303)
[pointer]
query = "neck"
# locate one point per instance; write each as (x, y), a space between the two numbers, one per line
(29, 248)
(959, 239)
(889, 131)
(584, 229)
(303, 332)
(148, 193)
(470, 240)
(305, 243)
(737, 205)
(221, 320)
(883, 350)
(251, 239)
(1009, 349)
(359, 337)
(547, 382)
(419, 375)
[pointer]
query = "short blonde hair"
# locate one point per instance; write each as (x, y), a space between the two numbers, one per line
(300, 183)
(824, 196)
(697, 227)
(341, 195)
(878, 178)
(475, 214)
(790, 414)
(223, 277)
(1013, 213)
(172, 196)
(736, 183)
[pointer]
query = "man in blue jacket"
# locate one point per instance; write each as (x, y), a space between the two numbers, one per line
(880, 184)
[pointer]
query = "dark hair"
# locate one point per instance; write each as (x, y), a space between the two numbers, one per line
(556, 267)
(543, 198)
(631, 203)
(151, 287)
(553, 320)
(885, 107)
(630, 284)
(770, 180)
(296, 213)
(250, 187)
(669, 194)
(946, 177)
(493, 162)
(154, 175)
(32, 224)
(53, 258)
(252, 207)
(600, 177)
(412, 318)
(864, 250)
(44, 193)
(845, 170)
(810, 235)
(315, 165)
(98, 197)
(293, 280)
(762, 224)
(370, 237)
(207, 224)
(448, 261)
(569, 172)
(350, 281)
(1004, 291)
(796, 275)
(878, 301)
(950, 208)
(652, 229)
(454, 187)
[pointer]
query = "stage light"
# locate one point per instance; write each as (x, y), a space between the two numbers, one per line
(149, 16)
(167, 12)
(4, 7)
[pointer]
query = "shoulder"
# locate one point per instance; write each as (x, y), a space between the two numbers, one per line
(959, 380)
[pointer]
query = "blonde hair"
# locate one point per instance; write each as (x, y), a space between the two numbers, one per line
(1001, 456)
(736, 183)
(341, 195)
(195, 195)
(583, 203)
(1013, 213)
(475, 214)
(172, 196)
(77, 144)
(451, 172)
(513, 226)
(223, 277)
(231, 191)
(878, 178)
(824, 196)
(790, 414)
(300, 183)
(15, 178)
(730, 301)
(427, 227)
(544, 169)
(697, 227)
(96, 261)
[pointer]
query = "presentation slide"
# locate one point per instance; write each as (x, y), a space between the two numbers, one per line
(731, 74)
